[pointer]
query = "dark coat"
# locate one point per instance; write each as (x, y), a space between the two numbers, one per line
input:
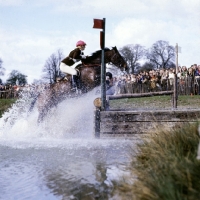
(74, 56)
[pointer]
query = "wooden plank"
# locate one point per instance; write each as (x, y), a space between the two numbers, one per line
(151, 116)
(138, 95)
(127, 127)
(138, 128)
(134, 122)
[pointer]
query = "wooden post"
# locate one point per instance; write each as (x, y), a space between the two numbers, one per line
(175, 78)
(172, 99)
(107, 103)
(97, 123)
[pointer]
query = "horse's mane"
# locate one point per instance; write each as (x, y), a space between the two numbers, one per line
(97, 56)
(98, 52)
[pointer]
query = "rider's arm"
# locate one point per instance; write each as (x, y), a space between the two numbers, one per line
(78, 54)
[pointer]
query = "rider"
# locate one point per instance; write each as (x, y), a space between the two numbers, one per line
(74, 58)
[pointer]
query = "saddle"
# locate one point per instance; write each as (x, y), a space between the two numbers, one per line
(64, 78)
(68, 77)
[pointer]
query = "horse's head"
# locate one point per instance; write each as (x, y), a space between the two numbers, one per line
(116, 59)
(111, 56)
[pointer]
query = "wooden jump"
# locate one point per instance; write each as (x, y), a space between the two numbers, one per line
(138, 95)
(137, 122)
(130, 123)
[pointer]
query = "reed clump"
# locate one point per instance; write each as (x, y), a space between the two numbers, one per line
(166, 167)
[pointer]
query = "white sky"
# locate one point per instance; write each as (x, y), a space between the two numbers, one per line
(30, 31)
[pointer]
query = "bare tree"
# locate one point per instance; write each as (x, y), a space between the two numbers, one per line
(2, 69)
(161, 54)
(51, 68)
(147, 66)
(132, 54)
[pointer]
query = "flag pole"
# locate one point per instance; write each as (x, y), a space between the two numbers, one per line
(103, 68)
(101, 24)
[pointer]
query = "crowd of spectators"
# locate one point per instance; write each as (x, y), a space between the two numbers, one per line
(188, 80)
(14, 91)
(9, 91)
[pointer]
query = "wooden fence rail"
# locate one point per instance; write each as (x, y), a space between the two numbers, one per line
(136, 95)
(8, 94)
(139, 95)
(186, 86)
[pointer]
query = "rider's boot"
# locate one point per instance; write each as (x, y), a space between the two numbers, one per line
(75, 82)
(74, 85)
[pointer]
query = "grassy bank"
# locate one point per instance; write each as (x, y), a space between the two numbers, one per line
(166, 167)
(5, 104)
(155, 102)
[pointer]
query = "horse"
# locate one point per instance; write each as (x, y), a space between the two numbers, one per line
(90, 77)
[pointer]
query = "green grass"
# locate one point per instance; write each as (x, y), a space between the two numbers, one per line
(5, 104)
(166, 167)
(155, 102)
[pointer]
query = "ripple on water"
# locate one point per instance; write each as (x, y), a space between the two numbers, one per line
(58, 159)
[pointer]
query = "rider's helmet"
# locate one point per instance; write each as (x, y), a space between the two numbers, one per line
(80, 43)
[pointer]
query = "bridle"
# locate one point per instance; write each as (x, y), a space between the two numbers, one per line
(118, 61)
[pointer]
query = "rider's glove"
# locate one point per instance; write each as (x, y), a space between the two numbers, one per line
(83, 56)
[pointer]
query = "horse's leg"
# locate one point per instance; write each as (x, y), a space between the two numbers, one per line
(81, 89)
(89, 78)
(44, 111)
(41, 116)
(33, 103)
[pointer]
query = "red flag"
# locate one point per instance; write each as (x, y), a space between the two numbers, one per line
(98, 23)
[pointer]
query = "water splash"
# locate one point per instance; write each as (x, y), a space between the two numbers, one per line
(59, 154)
(72, 118)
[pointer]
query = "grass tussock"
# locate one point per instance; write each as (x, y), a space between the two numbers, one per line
(5, 104)
(166, 167)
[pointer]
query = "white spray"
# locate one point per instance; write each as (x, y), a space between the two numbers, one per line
(72, 118)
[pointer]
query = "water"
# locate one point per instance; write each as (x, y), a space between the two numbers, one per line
(60, 158)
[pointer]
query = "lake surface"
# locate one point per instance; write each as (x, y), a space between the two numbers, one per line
(59, 158)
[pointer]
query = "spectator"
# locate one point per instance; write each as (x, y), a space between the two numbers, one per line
(191, 81)
(171, 76)
(197, 79)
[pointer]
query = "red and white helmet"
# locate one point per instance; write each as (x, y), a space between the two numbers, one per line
(80, 43)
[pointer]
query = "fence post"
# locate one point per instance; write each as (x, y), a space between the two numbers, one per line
(97, 122)
(175, 78)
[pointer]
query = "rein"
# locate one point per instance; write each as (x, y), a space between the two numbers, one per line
(91, 65)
